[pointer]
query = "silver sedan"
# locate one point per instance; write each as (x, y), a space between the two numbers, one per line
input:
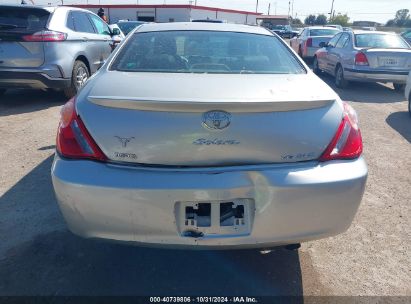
(193, 135)
(311, 39)
(365, 56)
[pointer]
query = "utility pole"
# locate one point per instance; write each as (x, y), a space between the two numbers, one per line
(292, 9)
(332, 10)
(256, 7)
(289, 7)
(269, 6)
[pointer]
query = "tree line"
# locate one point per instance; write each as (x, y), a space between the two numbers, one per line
(322, 19)
(402, 19)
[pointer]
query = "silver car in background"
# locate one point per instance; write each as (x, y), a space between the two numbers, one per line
(311, 39)
(193, 135)
(50, 47)
(367, 57)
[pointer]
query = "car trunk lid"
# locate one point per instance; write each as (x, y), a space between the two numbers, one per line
(390, 59)
(15, 24)
(194, 120)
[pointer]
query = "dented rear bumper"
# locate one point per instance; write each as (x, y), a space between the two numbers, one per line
(286, 203)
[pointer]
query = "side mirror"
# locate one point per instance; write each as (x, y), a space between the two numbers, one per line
(115, 32)
(323, 44)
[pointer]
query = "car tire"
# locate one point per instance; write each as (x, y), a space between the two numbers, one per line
(316, 68)
(409, 105)
(399, 87)
(300, 52)
(79, 77)
(340, 81)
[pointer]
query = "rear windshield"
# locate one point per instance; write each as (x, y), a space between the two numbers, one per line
(323, 32)
(22, 19)
(380, 41)
(206, 52)
(127, 27)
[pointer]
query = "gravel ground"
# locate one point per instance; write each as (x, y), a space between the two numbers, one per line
(38, 256)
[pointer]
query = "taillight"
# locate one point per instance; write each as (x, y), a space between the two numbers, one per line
(308, 43)
(45, 36)
(347, 142)
(73, 139)
(361, 59)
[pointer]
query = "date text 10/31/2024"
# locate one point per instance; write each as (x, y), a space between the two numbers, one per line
(203, 300)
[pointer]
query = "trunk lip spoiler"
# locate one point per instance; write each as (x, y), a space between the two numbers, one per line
(192, 105)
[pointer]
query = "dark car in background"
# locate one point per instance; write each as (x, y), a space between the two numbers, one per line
(284, 31)
(127, 26)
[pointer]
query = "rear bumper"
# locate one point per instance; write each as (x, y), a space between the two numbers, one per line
(376, 75)
(310, 52)
(36, 79)
(292, 203)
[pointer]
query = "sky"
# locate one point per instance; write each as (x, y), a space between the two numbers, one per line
(371, 10)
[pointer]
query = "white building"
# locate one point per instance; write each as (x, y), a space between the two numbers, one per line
(172, 13)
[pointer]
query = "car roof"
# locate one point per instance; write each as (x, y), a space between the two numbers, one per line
(372, 32)
(130, 21)
(48, 8)
(73, 8)
(321, 27)
(45, 7)
(203, 26)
